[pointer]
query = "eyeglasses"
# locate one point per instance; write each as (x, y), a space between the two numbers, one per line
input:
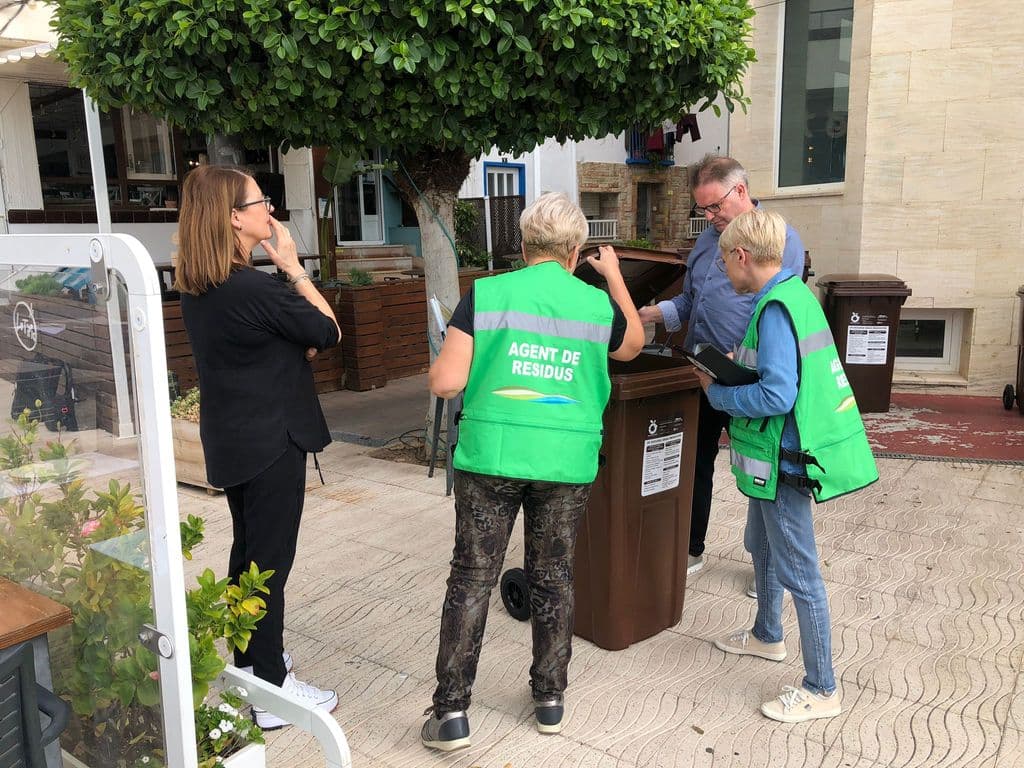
(716, 206)
(720, 261)
(266, 202)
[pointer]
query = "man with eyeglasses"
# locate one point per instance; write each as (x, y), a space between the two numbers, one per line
(714, 314)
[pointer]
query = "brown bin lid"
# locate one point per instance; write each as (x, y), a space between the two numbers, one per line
(867, 283)
(647, 272)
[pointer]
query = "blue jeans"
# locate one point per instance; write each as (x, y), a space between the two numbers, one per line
(780, 539)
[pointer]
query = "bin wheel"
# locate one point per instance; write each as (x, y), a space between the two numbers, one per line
(515, 593)
(1008, 397)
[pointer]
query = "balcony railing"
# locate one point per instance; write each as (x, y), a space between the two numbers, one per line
(602, 229)
(697, 225)
(646, 148)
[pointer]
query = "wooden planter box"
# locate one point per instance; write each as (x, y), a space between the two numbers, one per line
(384, 329)
(189, 461)
(383, 335)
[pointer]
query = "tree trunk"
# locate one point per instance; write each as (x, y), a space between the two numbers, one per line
(430, 183)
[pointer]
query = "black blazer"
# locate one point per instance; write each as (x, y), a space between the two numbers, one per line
(249, 337)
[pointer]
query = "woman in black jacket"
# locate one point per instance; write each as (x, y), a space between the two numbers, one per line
(252, 337)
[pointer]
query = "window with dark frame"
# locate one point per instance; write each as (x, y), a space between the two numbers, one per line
(815, 92)
(146, 160)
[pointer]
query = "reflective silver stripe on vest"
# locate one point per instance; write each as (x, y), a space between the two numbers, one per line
(815, 342)
(750, 467)
(746, 356)
(549, 326)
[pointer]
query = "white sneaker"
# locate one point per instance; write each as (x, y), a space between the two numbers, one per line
(287, 664)
(694, 563)
(797, 705)
(308, 694)
(744, 643)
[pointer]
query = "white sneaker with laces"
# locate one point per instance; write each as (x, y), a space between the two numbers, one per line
(308, 694)
(744, 643)
(797, 705)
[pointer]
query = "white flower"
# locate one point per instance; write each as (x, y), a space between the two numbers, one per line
(242, 692)
(225, 708)
(227, 726)
(145, 760)
(215, 734)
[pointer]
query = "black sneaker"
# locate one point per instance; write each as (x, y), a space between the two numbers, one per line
(549, 710)
(447, 733)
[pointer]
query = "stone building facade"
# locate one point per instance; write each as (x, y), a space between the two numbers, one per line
(934, 162)
(660, 194)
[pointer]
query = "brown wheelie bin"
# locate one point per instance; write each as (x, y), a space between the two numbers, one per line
(631, 551)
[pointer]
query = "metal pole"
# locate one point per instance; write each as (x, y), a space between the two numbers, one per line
(488, 233)
(99, 171)
(124, 425)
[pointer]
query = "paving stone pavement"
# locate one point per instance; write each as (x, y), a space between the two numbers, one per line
(924, 570)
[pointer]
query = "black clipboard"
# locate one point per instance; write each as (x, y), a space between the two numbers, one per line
(722, 369)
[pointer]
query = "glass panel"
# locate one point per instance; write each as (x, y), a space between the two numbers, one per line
(62, 145)
(347, 214)
(147, 146)
(921, 338)
(815, 91)
(369, 182)
(73, 514)
(358, 209)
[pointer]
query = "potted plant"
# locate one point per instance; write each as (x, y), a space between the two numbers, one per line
(86, 549)
(189, 459)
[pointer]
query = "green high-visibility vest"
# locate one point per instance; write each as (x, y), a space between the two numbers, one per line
(832, 438)
(538, 383)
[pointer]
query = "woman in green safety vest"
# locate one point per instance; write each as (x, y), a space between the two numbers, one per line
(793, 433)
(530, 348)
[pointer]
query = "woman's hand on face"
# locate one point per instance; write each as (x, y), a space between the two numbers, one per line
(285, 255)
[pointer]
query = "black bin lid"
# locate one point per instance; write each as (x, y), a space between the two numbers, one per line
(859, 285)
(647, 271)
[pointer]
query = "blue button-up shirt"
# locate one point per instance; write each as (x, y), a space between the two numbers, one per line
(775, 392)
(715, 312)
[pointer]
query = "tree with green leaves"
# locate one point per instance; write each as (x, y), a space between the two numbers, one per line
(433, 82)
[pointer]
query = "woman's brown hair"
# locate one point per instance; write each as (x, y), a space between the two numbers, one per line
(207, 247)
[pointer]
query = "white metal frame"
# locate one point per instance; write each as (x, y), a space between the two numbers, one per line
(951, 343)
(315, 721)
(126, 256)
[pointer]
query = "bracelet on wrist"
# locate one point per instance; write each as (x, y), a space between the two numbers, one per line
(298, 279)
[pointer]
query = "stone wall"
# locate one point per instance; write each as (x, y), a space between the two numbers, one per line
(670, 203)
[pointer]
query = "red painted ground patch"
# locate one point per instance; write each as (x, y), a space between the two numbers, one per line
(947, 426)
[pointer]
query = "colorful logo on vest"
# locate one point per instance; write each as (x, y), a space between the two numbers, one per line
(520, 393)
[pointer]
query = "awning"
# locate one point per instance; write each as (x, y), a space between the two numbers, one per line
(34, 63)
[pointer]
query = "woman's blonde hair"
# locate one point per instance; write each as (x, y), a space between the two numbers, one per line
(759, 232)
(552, 226)
(208, 249)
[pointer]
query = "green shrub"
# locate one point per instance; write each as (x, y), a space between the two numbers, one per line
(186, 406)
(358, 277)
(87, 549)
(467, 218)
(40, 285)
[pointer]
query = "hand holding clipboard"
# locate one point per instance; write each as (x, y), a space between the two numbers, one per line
(720, 367)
